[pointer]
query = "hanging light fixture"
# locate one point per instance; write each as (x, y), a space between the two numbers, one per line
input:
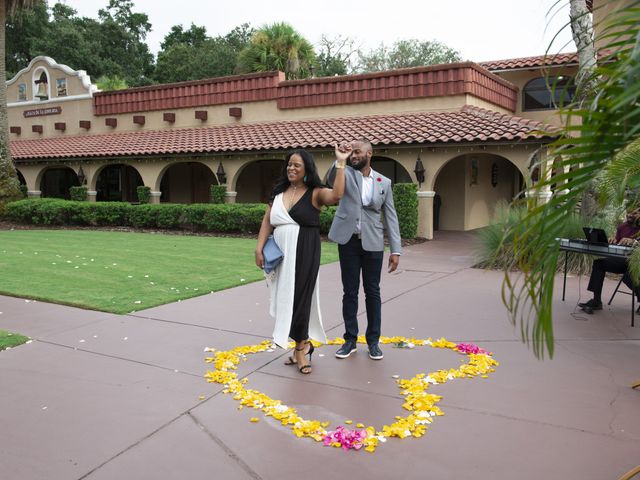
(419, 171)
(220, 173)
(81, 176)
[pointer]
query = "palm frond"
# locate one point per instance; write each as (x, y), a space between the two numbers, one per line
(605, 124)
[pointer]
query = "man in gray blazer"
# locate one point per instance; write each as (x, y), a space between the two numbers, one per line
(357, 228)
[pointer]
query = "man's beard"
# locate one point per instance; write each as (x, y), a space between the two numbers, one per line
(357, 166)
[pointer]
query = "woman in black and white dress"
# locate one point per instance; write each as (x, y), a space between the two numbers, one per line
(293, 216)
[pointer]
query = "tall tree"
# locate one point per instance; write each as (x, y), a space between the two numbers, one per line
(406, 53)
(191, 55)
(9, 185)
(194, 36)
(598, 128)
(335, 55)
(278, 47)
(122, 39)
(21, 29)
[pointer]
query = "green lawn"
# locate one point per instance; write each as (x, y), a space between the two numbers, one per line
(8, 339)
(122, 272)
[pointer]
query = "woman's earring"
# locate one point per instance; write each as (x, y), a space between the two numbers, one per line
(304, 179)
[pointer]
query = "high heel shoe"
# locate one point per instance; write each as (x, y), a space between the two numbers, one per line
(292, 360)
(306, 369)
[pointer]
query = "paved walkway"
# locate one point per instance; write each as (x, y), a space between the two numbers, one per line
(102, 396)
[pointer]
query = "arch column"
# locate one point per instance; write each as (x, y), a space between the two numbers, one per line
(230, 197)
(425, 213)
(154, 197)
(34, 193)
(91, 195)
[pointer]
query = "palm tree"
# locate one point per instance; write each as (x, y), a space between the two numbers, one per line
(278, 47)
(9, 185)
(599, 131)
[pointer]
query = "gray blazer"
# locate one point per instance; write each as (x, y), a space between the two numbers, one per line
(351, 209)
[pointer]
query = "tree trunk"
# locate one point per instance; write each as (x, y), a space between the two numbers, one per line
(9, 185)
(582, 30)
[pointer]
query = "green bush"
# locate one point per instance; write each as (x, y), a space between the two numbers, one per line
(24, 190)
(144, 194)
(205, 217)
(169, 215)
(405, 196)
(226, 217)
(495, 249)
(78, 194)
(217, 193)
(143, 216)
(101, 213)
(326, 217)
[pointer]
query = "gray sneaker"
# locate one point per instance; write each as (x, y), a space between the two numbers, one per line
(374, 352)
(346, 349)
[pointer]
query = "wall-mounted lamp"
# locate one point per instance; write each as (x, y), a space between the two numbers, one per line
(494, 175)
(81, 176)
(222, 176)
(419, 171)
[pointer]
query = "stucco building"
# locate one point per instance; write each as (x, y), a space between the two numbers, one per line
(476, 129)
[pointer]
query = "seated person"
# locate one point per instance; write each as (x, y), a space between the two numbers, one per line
(626, 234)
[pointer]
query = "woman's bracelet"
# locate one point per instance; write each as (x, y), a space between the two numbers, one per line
(339, 165)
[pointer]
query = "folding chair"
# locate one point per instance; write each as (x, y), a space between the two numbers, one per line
(633, 299)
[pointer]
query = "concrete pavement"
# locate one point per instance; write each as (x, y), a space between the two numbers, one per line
(102, 396)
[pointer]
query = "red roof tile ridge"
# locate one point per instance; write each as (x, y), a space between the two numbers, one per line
(536, 60)
(188, 83)
(512, 119)
(388, 73)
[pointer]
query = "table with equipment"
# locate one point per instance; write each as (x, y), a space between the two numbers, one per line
(600, 250)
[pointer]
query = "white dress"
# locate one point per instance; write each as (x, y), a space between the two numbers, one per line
(283, 281)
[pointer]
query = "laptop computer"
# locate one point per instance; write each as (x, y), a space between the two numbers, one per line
(596, 236)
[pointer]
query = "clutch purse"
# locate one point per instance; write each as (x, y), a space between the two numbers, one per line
(272, 255)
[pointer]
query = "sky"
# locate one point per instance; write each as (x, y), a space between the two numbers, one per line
(479, 29)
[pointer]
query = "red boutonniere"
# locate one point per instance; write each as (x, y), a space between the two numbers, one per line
(379, 179)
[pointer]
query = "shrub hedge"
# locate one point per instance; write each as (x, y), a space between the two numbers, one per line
(203, 217)
(217, 193)
(144, 193)
(405, 197)
(79, 194)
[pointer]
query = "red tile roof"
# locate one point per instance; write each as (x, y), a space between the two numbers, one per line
(558, 59)
(408, 83)
(469, 124)
(251, 87)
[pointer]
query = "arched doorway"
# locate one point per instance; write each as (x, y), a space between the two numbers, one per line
(187, 182)
(391, 169)
(118, 183)
(23, 182)
(255, 181)
(56, 182)
(469, 187)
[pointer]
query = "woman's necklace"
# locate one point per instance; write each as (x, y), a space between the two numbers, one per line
(292, 198)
